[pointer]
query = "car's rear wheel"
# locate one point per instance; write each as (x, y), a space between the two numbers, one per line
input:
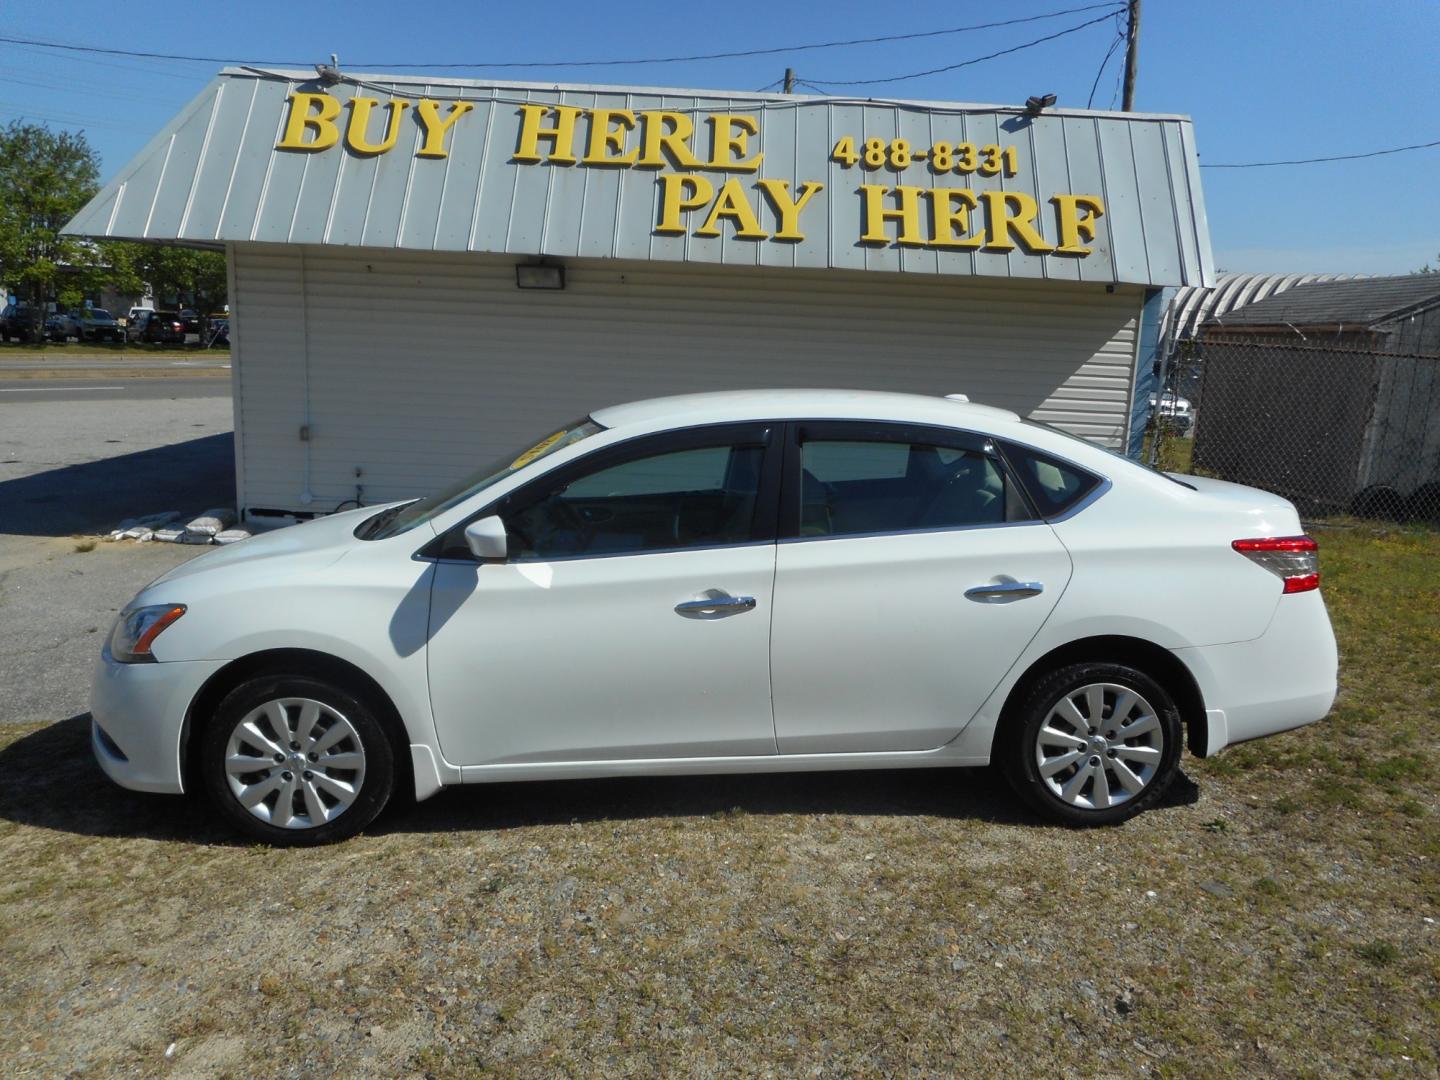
(293, 760)
(1092, 744)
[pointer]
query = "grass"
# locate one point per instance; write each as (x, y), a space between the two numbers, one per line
(1271, 922)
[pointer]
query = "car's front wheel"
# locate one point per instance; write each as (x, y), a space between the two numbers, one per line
(1092, 744)
(293, 760)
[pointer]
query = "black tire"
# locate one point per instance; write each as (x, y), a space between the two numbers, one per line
(376, 781)
(1018, 744)
(1424, 504)
(1378, 501)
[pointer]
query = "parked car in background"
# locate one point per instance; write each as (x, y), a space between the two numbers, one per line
(60, 327)
(97, 324)
(156, 328)
(192, 320)
(84, 324)
(1173, 411)
(768, 581)
(219, 332)
(132, 314)
(16, 322)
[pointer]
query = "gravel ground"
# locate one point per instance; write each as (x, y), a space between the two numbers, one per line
(1276, 917)
(70, 470)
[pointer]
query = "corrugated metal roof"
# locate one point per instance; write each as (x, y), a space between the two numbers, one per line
(1190, 307)
(1362, 302)
(215, 174)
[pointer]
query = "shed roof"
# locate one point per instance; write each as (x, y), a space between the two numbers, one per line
(1359, 302)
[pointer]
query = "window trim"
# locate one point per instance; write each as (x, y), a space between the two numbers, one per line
(831, 430)
(444, 547)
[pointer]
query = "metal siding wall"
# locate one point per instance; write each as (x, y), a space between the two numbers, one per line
(213, 174)
(269, 375)
(422, 368)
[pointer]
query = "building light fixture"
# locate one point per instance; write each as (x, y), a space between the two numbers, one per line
(539, 276)
(1035, 105)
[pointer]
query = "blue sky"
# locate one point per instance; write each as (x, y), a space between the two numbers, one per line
(1263, 79)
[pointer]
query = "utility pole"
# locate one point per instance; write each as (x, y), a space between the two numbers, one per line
(789, 80)
(1132, 55)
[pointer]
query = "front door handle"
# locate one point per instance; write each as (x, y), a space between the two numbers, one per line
(717, 606)
(1003, 592)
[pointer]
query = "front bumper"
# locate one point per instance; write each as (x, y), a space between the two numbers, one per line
(138, 719)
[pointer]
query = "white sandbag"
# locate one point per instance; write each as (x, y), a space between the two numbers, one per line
(196, 538)
(211, 522)
(139, 532)
(126, 530)
(232, 536)
(169, 535)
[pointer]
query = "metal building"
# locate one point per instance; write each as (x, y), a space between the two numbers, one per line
(1191, 307)
(426, 273)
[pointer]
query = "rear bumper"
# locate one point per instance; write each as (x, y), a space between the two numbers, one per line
(138, 717)
(1284, 679)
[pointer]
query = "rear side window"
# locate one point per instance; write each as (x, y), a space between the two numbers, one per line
(1054, 486)
(860, 487)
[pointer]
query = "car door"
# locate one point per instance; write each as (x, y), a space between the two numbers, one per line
(631, 616)
(910, 575)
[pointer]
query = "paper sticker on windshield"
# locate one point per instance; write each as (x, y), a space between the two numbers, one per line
(537, 450)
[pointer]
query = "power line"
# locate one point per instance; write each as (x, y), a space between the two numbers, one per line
(1110, 6)
(189, 75)
(964, 63)
(1114, 44)
(1318, 160)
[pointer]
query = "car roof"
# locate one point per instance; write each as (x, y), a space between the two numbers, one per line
(726, 406)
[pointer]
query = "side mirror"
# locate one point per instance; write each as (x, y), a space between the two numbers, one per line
(486, 539)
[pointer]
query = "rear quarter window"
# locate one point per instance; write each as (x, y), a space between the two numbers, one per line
(1054, 485)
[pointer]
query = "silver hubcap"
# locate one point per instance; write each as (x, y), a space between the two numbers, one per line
(1100, 746)
(295, 763)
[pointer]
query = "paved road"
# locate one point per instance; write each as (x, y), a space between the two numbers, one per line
(29, 391)
(73, 467)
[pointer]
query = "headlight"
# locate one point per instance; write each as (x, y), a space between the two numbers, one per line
(136, 630)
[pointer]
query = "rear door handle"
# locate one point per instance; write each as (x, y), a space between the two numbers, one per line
(1004, 591)
(715, 607)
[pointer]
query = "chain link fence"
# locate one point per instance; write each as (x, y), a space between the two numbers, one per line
(1336, 430)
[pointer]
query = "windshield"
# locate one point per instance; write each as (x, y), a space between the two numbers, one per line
(399, 519)
(1109, 450)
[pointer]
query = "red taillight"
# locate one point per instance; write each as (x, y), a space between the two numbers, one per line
(1294, 560)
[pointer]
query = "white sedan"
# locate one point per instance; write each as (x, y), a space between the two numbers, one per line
(723, 583)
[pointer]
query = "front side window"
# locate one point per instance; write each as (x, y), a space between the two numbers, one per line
(700, 497)
(400, 519)
(850, 488)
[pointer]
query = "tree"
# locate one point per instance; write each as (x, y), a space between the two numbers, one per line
(1428, 269)
(45, 178)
